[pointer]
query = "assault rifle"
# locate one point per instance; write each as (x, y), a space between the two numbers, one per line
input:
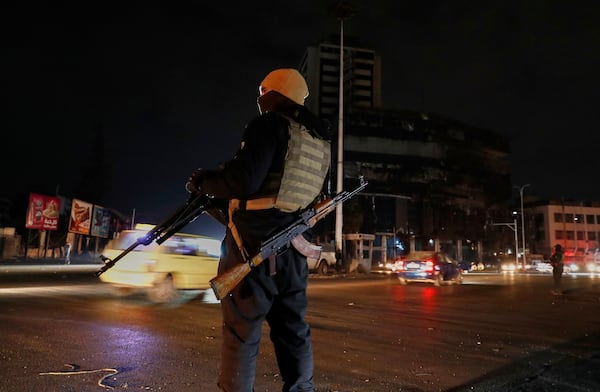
(224, 283)
(193, 208)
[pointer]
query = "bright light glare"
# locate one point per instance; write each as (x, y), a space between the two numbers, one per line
(37, 291)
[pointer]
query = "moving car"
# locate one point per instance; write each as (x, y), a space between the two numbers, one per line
(433, 267)
(542, 266)
(182, 262)
(509, 266)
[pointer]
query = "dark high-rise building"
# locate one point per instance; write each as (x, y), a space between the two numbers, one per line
(433, 180)
(362, 78)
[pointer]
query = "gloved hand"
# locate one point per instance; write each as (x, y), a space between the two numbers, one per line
(193, 183)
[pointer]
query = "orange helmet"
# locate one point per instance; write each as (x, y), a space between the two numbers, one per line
(287, 82)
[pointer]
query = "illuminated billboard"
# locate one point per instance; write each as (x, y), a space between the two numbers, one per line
(81, 216)
(42, 212)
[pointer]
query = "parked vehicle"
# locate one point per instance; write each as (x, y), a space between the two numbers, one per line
(468, 266)
(433, 267)
(326, 263)
(182, 262)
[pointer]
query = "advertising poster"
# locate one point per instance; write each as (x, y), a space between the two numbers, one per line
(42, 212)
(81, 217)
(100, 222)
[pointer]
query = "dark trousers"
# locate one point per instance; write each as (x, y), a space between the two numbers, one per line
(557, 272)
(281, 301)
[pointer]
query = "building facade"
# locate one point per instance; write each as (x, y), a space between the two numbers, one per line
(434, 182)
(574, 225)
(320, 66)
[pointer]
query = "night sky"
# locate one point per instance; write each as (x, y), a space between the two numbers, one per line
(171, 87)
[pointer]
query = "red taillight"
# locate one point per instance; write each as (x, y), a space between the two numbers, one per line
(429, 266)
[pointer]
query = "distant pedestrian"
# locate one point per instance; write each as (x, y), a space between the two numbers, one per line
(557, 262)
(67, 253)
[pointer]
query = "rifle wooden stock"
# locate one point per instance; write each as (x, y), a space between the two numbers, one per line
(226, 281)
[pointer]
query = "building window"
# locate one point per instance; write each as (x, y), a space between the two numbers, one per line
(538, 219)
(591, 235)
(558, 217)
(570, 235)
(589, 219)
(578, 218)
(580, 236)
(558, 234)
(540, 235)
(569, 218)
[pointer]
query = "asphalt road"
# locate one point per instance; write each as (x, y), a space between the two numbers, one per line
(493, 333)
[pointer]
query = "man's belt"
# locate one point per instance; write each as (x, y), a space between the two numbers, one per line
(264, 203)
(253, 204)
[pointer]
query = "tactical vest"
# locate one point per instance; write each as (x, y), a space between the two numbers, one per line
(304, 171)
(296, 187)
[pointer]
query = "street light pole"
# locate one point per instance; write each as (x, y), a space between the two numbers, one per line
(339, 217)
(516, 245)
(523, 222)
(342, 10)
(513, 227)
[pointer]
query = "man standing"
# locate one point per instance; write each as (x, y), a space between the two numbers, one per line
(278, 170)
(557, 262)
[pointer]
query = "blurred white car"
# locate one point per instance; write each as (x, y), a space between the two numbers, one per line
(182, 262)
(509, 266)
(326, 262)
(543, 266)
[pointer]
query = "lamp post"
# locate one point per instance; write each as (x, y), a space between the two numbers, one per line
(343, 10)
(523, 222)
(513, 227)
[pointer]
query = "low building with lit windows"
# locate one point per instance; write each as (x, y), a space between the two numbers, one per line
(574, 225)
